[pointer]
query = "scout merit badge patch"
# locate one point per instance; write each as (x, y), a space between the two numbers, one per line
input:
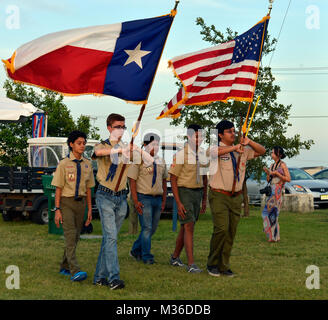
(150, 170)
(71, 176)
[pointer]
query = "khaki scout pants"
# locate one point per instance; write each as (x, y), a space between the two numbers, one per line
(226, 215)
(73, 217)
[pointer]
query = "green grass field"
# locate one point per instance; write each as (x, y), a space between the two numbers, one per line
(264, 270)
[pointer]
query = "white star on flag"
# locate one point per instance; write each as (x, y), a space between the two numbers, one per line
(136, 55)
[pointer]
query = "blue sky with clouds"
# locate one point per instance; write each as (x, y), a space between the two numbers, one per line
(303, 44)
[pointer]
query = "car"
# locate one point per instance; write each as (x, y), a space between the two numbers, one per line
(321, 175)
(301, 182)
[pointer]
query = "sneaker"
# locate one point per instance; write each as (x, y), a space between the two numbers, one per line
(213, 271)
(150, 261)
(193, 269)
(101, 282)
(135, 256)
(79, 276)
(65, 272)
(228, 273)
(116, 284)
(176, 262)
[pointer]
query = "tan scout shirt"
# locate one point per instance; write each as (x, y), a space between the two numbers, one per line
(104, 163)
(143, 174)
(221, 170)
(66, 174)
(185, 168)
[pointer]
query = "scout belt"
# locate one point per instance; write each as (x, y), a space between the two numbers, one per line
(228, 193)
(111, 192)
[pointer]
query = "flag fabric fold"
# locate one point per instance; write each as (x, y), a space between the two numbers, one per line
(220, 73)
(119, 60)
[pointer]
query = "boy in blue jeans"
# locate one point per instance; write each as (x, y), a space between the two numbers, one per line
(148, 190)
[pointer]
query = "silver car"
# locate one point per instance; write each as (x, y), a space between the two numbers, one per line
(301, 182)
(321, 175)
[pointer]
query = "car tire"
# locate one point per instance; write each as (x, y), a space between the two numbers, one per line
(41, 215)
(7, 216)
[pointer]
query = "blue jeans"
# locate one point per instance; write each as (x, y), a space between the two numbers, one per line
(112, 211)
(151, 213)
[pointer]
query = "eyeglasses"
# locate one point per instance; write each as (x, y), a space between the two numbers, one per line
(230, 131)
(120, 127)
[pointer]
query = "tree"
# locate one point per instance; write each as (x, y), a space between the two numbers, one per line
(13, 136)
(270, 123)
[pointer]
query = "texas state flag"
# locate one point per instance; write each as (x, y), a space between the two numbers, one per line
(119, 59)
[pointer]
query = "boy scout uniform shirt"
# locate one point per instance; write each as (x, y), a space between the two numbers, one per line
(221, 169)
(65, 176)
(143, 174)
(104, 163)
(185, 168)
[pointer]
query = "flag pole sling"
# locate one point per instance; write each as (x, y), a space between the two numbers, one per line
(173, 12)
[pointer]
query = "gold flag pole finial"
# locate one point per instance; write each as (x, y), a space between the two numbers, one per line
(270, 6)
(174, 10)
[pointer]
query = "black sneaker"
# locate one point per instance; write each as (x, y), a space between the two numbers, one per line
(213, 271)
(228, 273)
(116, 284)
(101, 282)
(194, 269)
(176, 262)
(150, 261)
(135, 256)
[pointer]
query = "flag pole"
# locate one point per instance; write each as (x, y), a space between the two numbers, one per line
(244, 127)
(137, 125)
(270, 6)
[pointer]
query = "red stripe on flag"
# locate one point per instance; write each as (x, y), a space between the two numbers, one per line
(241, 69)
(202, 56)
(219, 96)
(224, 83)
(210, 67)
(69, 69)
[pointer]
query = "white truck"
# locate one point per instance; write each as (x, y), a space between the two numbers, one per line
(21, 190)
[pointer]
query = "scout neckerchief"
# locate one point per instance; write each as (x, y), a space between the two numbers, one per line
(113, 166)
(197, 163)
(235, 170)
(154, 173)
(234, 165)
(78, 176)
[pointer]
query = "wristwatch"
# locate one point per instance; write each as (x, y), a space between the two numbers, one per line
(57, 208)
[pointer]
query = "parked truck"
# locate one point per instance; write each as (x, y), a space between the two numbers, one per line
(21, 190)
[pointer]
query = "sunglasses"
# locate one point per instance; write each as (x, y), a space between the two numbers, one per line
(120, 127)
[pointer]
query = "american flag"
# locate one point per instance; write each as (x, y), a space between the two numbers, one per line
(226, 71)
(38, 125)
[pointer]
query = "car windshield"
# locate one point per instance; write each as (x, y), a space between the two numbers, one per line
(298, 174)
(321, 175)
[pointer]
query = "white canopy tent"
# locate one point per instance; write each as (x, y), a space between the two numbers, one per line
(15, 111)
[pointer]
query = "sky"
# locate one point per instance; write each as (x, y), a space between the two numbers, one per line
(299, 63)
